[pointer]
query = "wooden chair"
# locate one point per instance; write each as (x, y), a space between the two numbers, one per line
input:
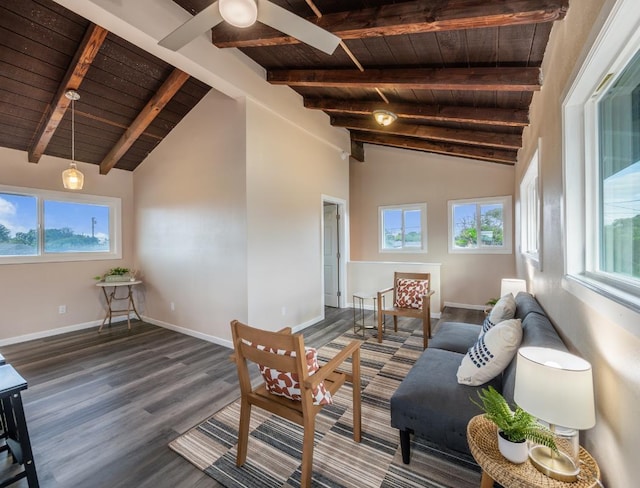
(423, 313)
(303, 412)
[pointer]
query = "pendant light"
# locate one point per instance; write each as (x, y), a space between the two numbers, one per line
(72, 178)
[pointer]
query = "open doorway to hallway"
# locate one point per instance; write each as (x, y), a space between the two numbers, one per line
(333, 255)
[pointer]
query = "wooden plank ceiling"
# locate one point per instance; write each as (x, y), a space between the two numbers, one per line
(129, 99)
(460, 74)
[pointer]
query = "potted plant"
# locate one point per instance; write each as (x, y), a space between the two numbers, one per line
(115, 274)
(514, 427)
(489, 305)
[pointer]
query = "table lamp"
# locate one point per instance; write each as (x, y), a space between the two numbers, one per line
(512, 285)
(557, 388)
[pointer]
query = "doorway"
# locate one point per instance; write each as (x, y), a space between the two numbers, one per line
(333, 252)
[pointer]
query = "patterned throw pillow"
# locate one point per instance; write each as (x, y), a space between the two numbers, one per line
(504, 309)
(409, 293)
(287, 384)
(491, 353)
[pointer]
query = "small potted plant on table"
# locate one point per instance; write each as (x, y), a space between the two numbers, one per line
(116, 274)
(515, 427)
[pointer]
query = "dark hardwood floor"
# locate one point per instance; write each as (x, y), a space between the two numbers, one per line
(101, 408)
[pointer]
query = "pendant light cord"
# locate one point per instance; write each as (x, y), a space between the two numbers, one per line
(73, 131)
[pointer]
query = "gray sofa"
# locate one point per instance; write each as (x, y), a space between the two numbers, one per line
(431, 404)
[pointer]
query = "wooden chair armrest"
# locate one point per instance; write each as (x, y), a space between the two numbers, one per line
(332, 365)
(386, 290)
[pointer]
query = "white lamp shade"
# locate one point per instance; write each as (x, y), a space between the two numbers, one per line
(512, 285)
(555, 386)
(239, 13)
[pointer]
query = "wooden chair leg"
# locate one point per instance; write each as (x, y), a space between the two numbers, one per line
(357, 408)
(395, 323)
(307, 451)
(380, 318)
(243, 432)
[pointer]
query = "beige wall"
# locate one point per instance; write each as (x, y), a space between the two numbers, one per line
(288, 172)
(191, 227)
(608, 341)
(396, 176)
(31, 293)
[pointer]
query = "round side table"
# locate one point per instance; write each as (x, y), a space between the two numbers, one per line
(483, 443)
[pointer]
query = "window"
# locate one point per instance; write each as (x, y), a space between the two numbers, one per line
(480, 225)
(38, 225)
(601, 132)
(403, 228)
(530, 212)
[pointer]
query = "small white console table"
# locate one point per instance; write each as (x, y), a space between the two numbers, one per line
(111, 296)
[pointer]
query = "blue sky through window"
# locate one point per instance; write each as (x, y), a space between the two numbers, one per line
(18, 213)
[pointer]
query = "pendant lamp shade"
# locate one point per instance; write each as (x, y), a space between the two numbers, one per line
(72, 178)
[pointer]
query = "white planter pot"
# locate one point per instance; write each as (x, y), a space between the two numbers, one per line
(516, 452)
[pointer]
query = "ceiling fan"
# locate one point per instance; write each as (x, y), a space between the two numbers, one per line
(244, 13)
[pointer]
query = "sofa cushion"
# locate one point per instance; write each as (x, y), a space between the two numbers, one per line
(409, 293)
(537, 331)
(455, 336)
(504, 309)
(491, 353)
(432, 404)
(526, 304)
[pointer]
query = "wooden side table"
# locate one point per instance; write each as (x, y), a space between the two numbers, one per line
(111, 297)
(483, 442)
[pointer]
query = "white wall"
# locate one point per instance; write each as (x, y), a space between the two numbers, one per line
(396, 176)
(592, 330)
(31, 293)
(288, 171)
(191, 226)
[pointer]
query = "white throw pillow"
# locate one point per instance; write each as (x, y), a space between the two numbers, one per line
(504, 309)
(491, 353)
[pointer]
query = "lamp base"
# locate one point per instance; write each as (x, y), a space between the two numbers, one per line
(556, 465)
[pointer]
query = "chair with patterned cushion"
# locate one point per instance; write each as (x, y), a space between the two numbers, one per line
(411, 298)
(295, 387)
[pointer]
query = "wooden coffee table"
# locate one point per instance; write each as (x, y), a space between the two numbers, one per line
(483, 443)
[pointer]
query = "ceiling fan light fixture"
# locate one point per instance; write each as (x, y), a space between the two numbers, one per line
(72, 178)
(384, 117)
(239, 13)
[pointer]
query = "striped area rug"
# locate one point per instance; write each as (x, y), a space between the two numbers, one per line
(275, 444)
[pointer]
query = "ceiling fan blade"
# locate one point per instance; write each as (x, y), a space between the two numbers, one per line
(192, 28)
(295, 26)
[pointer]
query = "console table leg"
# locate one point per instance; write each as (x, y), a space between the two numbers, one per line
(487, 481)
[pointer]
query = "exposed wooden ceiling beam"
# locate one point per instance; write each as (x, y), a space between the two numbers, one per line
(84, 56)
(171, 85)
(470, 115)
(405, 18)
(491, 79)
(459, 136)
(486, 154)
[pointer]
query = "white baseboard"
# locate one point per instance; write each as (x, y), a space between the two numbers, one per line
(306, 324)
(464, 305)
(58, 331)
(189, 332)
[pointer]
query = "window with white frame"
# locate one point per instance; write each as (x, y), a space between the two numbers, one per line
(530, 212)
(44, 226)
(403, 228)
(480, 225)
(601, 131)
